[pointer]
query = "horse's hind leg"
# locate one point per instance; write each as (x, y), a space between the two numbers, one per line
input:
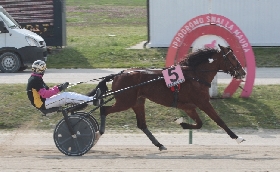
(102, 120)
(121, 104)
(139, 110)
(105, 110)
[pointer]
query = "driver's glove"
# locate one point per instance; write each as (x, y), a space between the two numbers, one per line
(63, 86)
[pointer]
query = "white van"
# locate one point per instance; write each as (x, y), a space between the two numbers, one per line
(19, 48)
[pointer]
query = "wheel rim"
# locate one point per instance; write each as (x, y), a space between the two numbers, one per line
(9, 62)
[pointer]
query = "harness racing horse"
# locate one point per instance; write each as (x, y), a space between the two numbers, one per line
(199, 69)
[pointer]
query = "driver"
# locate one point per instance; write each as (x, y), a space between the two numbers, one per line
(43, 97)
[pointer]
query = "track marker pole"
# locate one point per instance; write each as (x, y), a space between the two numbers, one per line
(190, 132)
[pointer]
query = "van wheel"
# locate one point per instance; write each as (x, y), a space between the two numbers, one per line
(9, 62)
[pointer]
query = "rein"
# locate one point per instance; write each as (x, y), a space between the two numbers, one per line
(130, 87)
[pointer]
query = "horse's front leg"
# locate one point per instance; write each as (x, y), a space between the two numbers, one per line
(191, 112)
(139, 110)
(209, 110)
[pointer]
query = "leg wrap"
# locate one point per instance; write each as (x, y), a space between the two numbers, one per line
(102, 125)
(103, 120)
(151, 137)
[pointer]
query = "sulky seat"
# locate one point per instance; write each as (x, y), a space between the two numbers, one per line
(51, 110)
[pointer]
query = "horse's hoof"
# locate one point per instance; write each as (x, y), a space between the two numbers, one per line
(97, 136)
(162, 148)
(240, 139)
(179, 120)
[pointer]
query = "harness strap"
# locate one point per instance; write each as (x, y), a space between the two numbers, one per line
(175, 90)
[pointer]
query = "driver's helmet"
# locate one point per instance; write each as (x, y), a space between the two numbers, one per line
(39, 67)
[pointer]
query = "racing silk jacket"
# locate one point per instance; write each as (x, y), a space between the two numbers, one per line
(38, 91)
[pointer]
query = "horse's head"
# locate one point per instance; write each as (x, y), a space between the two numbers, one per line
(231, 64)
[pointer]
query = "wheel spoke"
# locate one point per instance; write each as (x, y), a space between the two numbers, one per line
(65, 130)
(64, 141)
(85, 135)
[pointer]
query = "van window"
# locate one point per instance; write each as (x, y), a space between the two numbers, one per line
(7, 20)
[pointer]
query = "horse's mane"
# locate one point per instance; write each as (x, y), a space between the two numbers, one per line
(198, 57)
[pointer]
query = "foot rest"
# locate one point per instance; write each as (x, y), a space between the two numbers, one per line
(51, 110)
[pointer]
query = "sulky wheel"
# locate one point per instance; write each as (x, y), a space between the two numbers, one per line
(78, 144)
(90, 118)
(93, 122)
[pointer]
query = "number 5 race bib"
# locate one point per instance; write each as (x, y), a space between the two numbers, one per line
(173, 76)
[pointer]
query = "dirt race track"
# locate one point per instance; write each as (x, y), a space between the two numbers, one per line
(210, 152)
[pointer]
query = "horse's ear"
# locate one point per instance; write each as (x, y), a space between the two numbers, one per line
(220, 48)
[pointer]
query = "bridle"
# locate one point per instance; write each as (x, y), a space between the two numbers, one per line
(230, 64)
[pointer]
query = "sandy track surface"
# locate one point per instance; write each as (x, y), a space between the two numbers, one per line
(210, 152)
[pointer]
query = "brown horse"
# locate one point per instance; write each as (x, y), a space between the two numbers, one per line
(199, 69)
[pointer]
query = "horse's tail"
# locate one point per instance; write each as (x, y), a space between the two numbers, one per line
(102, 84)
(110, 77)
